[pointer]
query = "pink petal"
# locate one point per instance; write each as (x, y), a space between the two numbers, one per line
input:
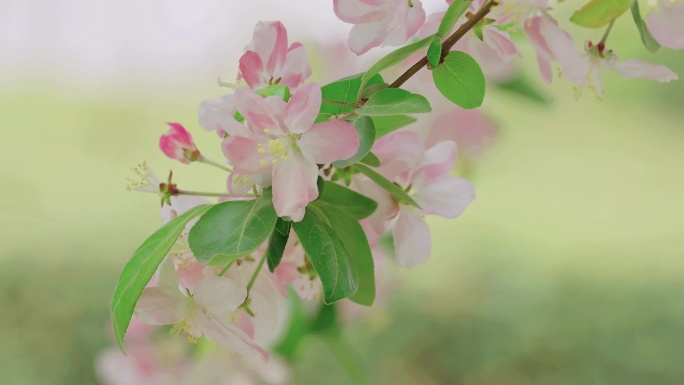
(231, 337)
(357, 12)
(294, 186)
(431, 25)
(447, 197)
(666, 24)
(243, 154)
(412, 241)
(329, 141)
(218, 115)
(161, 306)
(255, 110)
(252, 69)
(437, 162)
(544, 66)
(303, 108)
(270, 42)
(471, 129)
(399, 153)
(296, 68)
(220, 296)
(574, 66)
(637, 69)
(363, 37)
(500, 42)
(408, 25)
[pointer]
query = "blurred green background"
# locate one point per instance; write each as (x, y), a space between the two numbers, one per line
(567, 269)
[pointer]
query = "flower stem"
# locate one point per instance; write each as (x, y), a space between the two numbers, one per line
(607, 33)
(256, 272)
(448, 43)
(225, 269)
(203, 194)
(215, 164)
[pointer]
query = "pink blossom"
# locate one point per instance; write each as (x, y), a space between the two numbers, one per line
(268, 59)
(282, 140)
(379, 22)
(203, 310)
(666, 23)
(424, 176)
(177, 144)
(142, 366)
(217, 114)
(470, 129)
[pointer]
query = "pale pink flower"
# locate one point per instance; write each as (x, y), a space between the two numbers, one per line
(379, 22)
(423, 174)
(217, 114)
(205, 309)
(282, 140)
(666, 23)
(598, 57)
(141, 366)
(177, 144)
(472, 130)
(268, 59)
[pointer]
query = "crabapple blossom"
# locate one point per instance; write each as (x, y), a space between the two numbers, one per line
(666, 23)
(281, 139)
(268, 59)
(599, 57)
(217, 114)
(472, 130)
(202, 310)
(296, 269)
(177, 144)
(379, 22)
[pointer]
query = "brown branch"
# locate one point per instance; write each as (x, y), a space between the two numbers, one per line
(448, 43)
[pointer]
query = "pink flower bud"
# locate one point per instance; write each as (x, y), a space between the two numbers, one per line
(177, 144)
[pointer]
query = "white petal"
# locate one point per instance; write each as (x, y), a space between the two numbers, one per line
(231, 337)
(220, 296)
(160, 306)
(412, 241)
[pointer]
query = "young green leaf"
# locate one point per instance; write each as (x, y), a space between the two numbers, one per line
(276, 244)
(142, 266)
(353, 203)
(280, 90)
(392, 101)
(649, 41)
(340, 97)
(386, 124)
(373, 89)
(328, 254)
(385, 183)
(597, 13)
(233, 229)
(434, 53)
(392, 59)
(460, 80)
(451, 16)
(371, 160)
(366, 130)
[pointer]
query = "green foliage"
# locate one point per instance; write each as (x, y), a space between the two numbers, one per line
(373, 89)
(385, 183)
(391, 60)
(371, 160)
(386, 124)
(453, 13)
(233, 229)
(277, 243)
(393, 101)
(142, 266)
(328, 254)
(597, 13)
(521, 86)
(649, 41)
(460, 79)
(349, 201)
(275, 90)
(366, 130)
(344, 90)
(434, 53)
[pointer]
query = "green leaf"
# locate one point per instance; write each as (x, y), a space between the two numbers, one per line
(326, 321)
(357, 205)
(453, 13)
(342, 91)
(354, 239)
(649, 41)
(276, 244)
(275, 90)
(366, 130)
(386, 124)
(385, 183)
(392, 101)
(233, 229)
(460, 79)
(329, 256)
(597, 13)
(371, 160)
(142, 266)
(392, 59)
(434, 53)
(373, 89)
(520, 85)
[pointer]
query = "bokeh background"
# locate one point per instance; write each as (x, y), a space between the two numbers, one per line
(567, 269)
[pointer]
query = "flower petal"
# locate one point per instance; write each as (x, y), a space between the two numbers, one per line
(231, 337)
(412, 241)
(501, 43)
(161, 306)
(243, 154)
(666, 24)
(437, 162)
(357, 12)
(303, 107)
(329, 141)
(296, 68)
(220, 296)
(218, 115)
(294, 186)
(363, 37)
(252, 69)
(255, 110)
(400, 153)
(447, 197)
(270, 42)
(637, 69)
(408, 22)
